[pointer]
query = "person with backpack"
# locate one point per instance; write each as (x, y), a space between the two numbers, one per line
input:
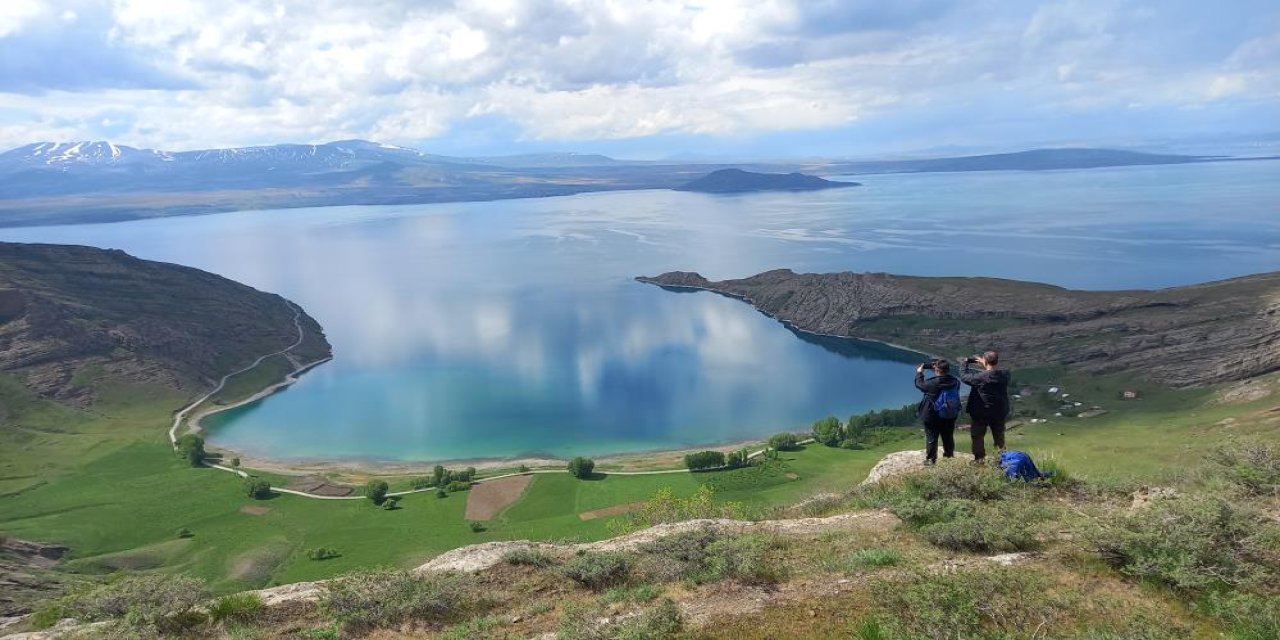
(938, 409)
(988, 401)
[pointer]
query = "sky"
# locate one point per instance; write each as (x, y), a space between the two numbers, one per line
(641, 78)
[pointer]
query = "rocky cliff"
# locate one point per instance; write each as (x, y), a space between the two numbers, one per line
(1184, 336)
(70, 315)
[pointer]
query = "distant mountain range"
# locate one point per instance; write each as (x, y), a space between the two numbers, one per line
(739, 181)
(76, 182)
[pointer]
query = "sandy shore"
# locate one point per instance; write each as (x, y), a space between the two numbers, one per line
(356, 468)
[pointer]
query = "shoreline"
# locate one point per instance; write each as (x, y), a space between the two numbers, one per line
(193, 422)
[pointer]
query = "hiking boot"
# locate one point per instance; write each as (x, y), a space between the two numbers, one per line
(929, 463)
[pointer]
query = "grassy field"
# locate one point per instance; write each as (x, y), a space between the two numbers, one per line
(106, 484)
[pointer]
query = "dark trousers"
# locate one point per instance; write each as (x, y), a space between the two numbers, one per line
(978, 434)
(938, 428)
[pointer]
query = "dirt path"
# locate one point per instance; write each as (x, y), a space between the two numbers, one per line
(488, 499)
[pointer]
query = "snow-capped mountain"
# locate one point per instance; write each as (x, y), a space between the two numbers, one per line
(84, 153)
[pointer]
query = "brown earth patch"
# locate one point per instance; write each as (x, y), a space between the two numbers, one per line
(615, 510)
(793, 476)
(488, 499)
(255, 510)
(318, 486)
(256, 565)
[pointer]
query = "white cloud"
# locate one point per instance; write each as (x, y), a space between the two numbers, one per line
(405, 71)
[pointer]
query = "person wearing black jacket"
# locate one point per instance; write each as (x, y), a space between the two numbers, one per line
(988, 401)
(936, 426)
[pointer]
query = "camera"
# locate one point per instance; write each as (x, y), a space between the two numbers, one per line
(973, 359)
(930, 364)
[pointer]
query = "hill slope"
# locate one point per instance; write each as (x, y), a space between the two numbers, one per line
(739, 181)
(1184, 336)
(67, 312)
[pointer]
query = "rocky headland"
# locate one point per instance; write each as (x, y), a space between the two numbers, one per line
(739, 181)
(1183, 336)
(72, 316)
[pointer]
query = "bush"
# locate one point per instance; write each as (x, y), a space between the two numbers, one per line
(784, 442)
(191, 447)
(1191, 544)
(418, 484)
(991, 602)
(1253, 467)
(995, 532)
(459, 485)
(391, 503)
(581, 467)
(441, 492)
(48, 615)
(164, 604)
(390, 597)
(665, 507)
(704, 460)
(597, 570)
(662, 622)
(743, 559)
(376, 491)
(236, 607)
(981, 483)
(323, 553)
(528, 557)
(235, 463)
(1249, 616)
(185, 533)
(874, 557)
(257, 488)
(737, 459)
(476, 527)
(828, 431)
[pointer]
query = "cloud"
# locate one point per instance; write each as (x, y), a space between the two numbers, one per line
(194, 73)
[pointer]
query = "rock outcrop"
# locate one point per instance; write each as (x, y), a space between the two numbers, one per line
(70, 315)
(1183, 336)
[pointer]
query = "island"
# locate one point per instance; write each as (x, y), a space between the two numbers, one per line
(1183, 337)
(739, 181)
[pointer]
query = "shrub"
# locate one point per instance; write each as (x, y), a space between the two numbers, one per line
(744, 559)
(191, 447)
(597, 570)
(257, 488)
(784, 441)
(459, 485)
(662, 622)
(990, 602)
(737, 459)
(981, 483)
(528, 557)
(524, 468)
(323, 553)
(441, 492)
(48, 615)
(1253, 467)
(1249, 616)
(828, 431)
(917, 512)
(389, 597)
(665, 507)
(376, 491)
(582, 467)
(185, 533)
(874, 557)
(391, 503)
(638, 593)
(236, 607)
(993, 533)
(704, 460)
(418, 484)
(1192, 543)
(476, 527)
(164, 604)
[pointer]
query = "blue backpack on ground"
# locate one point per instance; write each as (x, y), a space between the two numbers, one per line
(947, 404)
(1018, 466)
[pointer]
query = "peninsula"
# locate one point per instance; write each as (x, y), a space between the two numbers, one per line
(1184, 336)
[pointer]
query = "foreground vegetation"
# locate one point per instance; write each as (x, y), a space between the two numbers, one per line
(1200, 560)
(139, 508)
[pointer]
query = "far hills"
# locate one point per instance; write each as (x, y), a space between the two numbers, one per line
(739, 181)
(78, 182)
(1184, 336)
(74, 318)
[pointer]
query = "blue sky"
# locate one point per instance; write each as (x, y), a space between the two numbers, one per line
(761, 78)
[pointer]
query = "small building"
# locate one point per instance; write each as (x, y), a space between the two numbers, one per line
(1130, 394)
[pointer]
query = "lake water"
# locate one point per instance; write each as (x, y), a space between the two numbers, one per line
(514, 327)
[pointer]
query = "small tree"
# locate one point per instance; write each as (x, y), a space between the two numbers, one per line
(785, 441)
(737, 459)
(391, 503)
(704, 460)
(191, 447)
(421, 483)
(257, 488)
(828, 431)
(441, 492)
(376, 491)
(582, 467)
(524, 468)
(235, 463)
(437, 475)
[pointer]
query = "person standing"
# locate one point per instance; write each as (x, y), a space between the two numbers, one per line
(988, 401)
(938, 409)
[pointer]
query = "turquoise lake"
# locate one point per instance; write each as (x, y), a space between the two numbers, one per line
(511, 328)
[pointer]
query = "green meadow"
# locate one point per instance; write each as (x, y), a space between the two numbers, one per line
(104, 482)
